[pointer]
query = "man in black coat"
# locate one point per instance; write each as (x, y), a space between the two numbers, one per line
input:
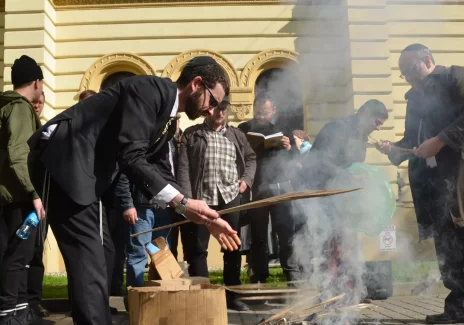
(76, 155)
(435, 126)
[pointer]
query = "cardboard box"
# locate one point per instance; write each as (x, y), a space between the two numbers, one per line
(164, 263)
(194, 305)
(178, 284)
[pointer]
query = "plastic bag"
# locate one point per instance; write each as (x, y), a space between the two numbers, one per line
(370, 209)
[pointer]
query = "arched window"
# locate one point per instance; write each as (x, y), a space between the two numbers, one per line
(115, 78)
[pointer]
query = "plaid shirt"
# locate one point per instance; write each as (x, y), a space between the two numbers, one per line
(220, 175)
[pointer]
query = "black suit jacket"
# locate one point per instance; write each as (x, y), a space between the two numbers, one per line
(115, 130)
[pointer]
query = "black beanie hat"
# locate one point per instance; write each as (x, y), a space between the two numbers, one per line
(25, 70)
(199, 61)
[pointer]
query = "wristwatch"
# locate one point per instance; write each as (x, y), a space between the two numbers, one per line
(181, 208)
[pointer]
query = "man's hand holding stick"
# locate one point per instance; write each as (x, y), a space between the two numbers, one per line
(199, 212)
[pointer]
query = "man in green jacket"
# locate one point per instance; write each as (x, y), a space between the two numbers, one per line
(18, 121)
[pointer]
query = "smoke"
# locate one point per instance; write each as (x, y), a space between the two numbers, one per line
(325, 243)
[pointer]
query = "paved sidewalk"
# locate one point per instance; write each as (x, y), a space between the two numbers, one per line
(396, 310)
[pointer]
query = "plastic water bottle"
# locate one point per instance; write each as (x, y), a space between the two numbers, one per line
(151, 249)
(28, 226)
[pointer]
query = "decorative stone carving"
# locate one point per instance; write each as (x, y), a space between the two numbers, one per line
(77, 3)
(113, 63)
(279, 56)
(241, 111)
(178, 63)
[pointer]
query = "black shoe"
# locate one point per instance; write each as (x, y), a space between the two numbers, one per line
(113, 311)
(40, 311)
(236, 304)
(257, 280)
(126, 302)
(28, 316)
(443, 319)
(11, 320)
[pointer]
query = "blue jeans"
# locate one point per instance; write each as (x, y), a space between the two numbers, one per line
(135, 248)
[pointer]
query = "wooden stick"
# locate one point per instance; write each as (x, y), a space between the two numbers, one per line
(262, 285)
(305, 310)
(267, 291)
(274, 297)
(262, 203)
(289, 309)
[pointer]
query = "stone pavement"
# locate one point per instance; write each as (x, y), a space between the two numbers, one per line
(396, 310)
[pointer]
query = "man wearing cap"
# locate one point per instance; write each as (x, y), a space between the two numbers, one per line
(434, 133)
(18, 121)
(216, 164)
(124, 128)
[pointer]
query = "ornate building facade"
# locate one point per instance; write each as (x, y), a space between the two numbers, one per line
(337, 54)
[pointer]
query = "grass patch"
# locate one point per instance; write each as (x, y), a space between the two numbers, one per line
(57, 286)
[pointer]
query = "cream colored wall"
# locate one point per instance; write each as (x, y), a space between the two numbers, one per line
(357, 47)
(376, 73)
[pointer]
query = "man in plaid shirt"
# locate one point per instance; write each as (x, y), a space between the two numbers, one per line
(216, 164)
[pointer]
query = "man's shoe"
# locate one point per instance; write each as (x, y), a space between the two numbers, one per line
(11, 320)
(125, 300)
(28, 316)
(40, 311)
(443, 319)
(236, 304)
(113, 311)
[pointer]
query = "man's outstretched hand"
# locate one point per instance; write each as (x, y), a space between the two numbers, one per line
(224, 234)
(200, 213)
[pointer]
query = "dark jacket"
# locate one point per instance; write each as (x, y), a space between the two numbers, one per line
(272, 164)
(125, 195)
(336, 147)
(438, 111)
(192, 158)
(118, 129)
(18, 121)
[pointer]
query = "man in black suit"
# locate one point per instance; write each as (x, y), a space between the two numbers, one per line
(125, 128)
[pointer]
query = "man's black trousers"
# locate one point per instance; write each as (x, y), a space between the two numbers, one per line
(15, 255)
(35, 274)
(449, 245)
(283, 223)
(195, 240)
(77, 231)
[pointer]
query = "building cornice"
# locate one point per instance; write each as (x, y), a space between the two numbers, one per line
(89, 4)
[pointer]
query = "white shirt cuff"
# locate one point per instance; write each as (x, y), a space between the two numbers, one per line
(168, 193)
(48, 132)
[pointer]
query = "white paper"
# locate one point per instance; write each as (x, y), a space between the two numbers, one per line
(388, 239)
(431, 162)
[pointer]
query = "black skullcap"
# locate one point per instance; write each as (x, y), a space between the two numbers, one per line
(415, 47)
(200, 61)
(25, 70)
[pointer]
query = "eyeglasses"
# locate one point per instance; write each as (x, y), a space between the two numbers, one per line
(223, 106)
(213, 101)
(402, 76)
(378, 122)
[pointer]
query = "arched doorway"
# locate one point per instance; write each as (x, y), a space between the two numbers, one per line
(287, 91)
(115, 78)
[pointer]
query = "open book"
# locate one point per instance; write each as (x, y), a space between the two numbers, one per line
(269, 141)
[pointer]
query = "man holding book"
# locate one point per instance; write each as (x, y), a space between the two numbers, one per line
(273, 154)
